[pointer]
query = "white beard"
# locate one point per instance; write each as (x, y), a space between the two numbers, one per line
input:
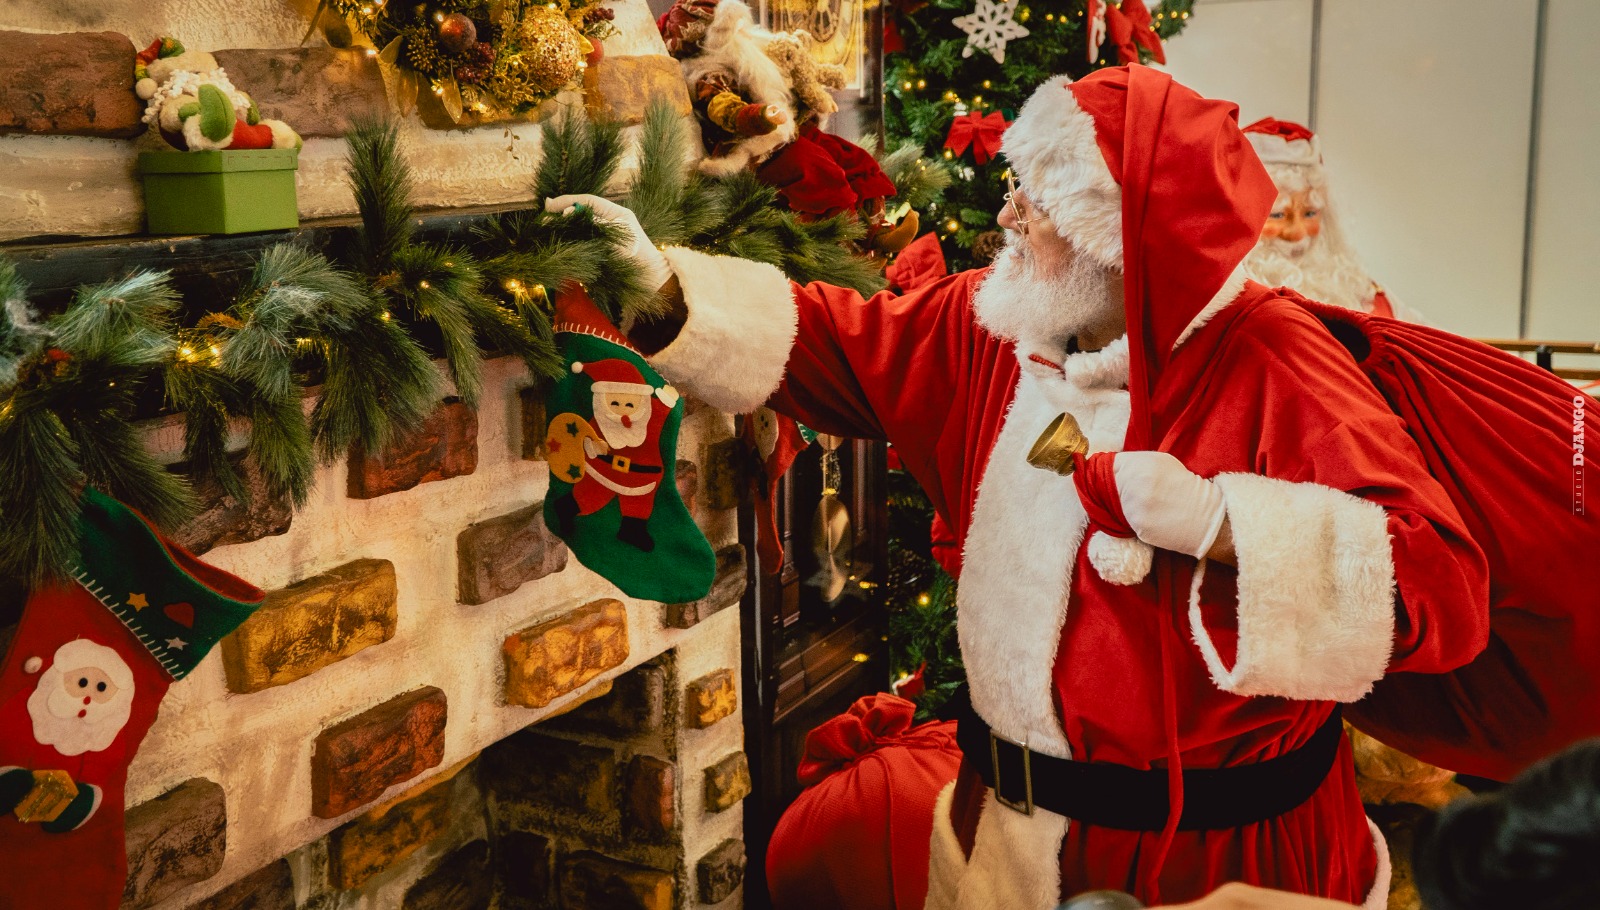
(1037, 311)
(615, 434)
(1323, 268)
(55, 710)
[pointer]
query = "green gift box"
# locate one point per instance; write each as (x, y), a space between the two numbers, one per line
(220, 192)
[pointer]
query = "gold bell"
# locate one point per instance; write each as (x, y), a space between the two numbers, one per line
(1061, 440)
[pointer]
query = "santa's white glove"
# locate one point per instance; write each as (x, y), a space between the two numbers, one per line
(668, 395)
(1166, 504)
(642, 251)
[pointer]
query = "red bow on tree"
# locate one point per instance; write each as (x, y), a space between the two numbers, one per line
(982, 132)
(1129, 27)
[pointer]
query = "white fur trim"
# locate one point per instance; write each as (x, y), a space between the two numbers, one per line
(1225, 297)
(1316, 591)
(1274, 149)
(1017, 577)
(742, 322)
(946, 860)
(1378, 897)
(1016, 860)
(1060, 168)
(1120, 560)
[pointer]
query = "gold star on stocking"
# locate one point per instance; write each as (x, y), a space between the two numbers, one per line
(138, 601)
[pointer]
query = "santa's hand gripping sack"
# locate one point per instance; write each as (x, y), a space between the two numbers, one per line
(1180, 732)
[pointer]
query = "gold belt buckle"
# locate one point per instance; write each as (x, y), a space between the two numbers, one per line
(621, 463)
(1026, 806)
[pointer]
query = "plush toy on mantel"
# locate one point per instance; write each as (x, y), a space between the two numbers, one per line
(762, 101)
(195, 106)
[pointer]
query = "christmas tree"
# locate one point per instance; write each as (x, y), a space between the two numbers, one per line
(955, 63)
(956, 73)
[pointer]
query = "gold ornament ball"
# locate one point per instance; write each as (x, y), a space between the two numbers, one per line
(551, 51)
(457, 33)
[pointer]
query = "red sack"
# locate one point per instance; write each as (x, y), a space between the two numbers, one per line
(1514, 447)
(858, 837)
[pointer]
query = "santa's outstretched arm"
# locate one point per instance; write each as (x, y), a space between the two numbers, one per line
(742, 335)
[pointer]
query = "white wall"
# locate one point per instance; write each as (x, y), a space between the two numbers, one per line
(1425, 110)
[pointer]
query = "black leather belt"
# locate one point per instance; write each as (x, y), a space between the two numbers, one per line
(1134, 799)
(626, 465)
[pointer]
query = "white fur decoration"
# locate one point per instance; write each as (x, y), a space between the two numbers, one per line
(1120, 560)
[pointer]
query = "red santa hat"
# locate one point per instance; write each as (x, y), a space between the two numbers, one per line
(1144, 174)
(613, 375)
(1283, 142)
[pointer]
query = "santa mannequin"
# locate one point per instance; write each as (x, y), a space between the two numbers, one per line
(624, 463)
(1170, 735)
(1303, 244)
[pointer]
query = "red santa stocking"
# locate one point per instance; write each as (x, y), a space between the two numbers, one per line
(81, 685)
(612, 445)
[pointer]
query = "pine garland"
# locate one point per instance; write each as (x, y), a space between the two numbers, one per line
(362, 337)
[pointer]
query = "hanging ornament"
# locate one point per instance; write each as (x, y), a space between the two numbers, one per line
(550, 51)
(479, 59)
(832, 538)
(457, 33)
(989, 27)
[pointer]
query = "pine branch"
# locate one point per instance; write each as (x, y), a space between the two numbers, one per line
(577, 156)
(433, 284)
(114, 459)
(377, 381)
(39, 499)
(381, 180)
(127, 321)
(658, 190)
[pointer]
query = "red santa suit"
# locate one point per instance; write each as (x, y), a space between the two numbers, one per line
(629, 474)
(1352, 561)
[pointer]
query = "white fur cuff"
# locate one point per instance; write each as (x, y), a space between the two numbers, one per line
(742, 322)
(1316, 591)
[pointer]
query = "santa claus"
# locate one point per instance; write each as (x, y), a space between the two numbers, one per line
(1303, 244)
(622, 457)
(1183, 731)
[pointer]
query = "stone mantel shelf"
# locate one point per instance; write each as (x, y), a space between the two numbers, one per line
(207, 268)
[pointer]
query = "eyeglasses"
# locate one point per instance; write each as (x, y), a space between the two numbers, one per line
(1016, 210)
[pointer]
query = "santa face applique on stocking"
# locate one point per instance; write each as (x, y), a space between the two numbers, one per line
(611, 445)
(81, 685)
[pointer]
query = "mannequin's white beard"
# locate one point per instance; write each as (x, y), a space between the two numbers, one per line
(1018, 303)
(618, 436)
(1323, 268)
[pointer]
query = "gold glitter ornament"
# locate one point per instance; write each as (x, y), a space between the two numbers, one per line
(548, 51)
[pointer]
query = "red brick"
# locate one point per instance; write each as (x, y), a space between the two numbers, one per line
(173, 841)
(445, 446)
(726, 590)
(79, 83)
(353, 762)
(388, 834)
(522, 866)
(720, 872)
(317, 90)
(269, 888)
(544, 773)
(650, 796)
(534, 424)
(461, 881)
(309, 625)
(498, 555)
(711, 698)
(224, 520)
(546, 661)
(590, 881)
(722, 474)
(727, 782)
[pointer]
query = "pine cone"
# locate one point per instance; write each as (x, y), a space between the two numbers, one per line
(987, 246)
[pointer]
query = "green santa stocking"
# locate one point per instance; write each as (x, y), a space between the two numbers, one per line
(611, 445)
